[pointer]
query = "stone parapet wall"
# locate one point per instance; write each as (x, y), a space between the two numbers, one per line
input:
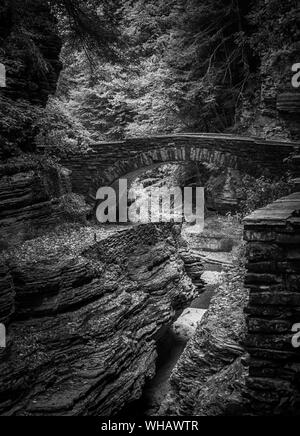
(273, 279)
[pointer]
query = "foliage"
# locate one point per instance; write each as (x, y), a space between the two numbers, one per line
(102, 109)
(74, 208)
(59, 133)
(30, 48)
(185, 66)
(16, 126)
(141, 67)
(275, 24)
(258, 193)
(208, 56)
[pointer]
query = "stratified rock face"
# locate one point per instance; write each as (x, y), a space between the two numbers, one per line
(82, 340)
(30, 199)
(210, 376)
(29, 50)
(7, 294)
(288, 95)
(222, 190)
(193, 264)
(276, 110)
(273, 278)
(289, 102)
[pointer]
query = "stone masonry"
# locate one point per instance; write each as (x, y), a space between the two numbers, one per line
(273, 279)
(107, 162)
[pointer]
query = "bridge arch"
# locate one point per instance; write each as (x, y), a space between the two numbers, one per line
(160, 156)
(109, 161)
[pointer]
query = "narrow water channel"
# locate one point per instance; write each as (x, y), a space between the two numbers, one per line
(170, 345)
(169, 349)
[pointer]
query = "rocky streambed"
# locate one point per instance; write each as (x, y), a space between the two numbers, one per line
(98, 318)
(88, 307)
(201, 366)
(209, 377)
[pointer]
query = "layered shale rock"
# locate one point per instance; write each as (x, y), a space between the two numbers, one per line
(215, 375)
(210, 376)
(275, 113)
(31, 60)
(33, 198)
(194, 266)
(273, 278)
(7, 294)
(30, 51)
(82, 339)
(222, 190)
(288, 105)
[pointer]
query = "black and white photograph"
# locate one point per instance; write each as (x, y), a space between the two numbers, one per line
(149, 211)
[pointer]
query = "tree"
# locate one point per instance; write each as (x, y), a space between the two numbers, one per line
(30, 47)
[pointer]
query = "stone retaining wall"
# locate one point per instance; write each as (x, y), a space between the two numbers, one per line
(273, 278)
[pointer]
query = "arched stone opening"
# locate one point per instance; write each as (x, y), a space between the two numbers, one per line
(170, 155)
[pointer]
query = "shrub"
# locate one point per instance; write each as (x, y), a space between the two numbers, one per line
(74, 208)
(258, 193)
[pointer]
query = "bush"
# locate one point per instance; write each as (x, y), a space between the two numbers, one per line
(258, 193)
(59, 133)
(16, 126)
(74, 208)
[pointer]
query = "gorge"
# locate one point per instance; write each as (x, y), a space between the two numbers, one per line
(151, 319)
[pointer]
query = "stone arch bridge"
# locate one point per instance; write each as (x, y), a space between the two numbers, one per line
(109, 161)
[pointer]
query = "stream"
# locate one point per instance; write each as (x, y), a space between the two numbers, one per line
(173, 339)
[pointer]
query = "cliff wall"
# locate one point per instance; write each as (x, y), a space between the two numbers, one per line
(82, 318)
